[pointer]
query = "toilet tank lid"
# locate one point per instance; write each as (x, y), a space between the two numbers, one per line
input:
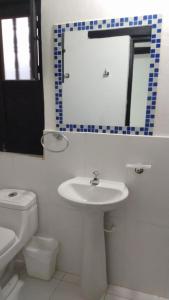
(17, 199)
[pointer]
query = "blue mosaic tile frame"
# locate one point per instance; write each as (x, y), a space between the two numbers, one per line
(155, 21)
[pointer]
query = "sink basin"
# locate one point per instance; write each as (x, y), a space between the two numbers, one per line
(106, 195)
(93, 201)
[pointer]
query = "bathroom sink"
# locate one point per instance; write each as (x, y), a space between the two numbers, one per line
(93, 197)
(106, 195)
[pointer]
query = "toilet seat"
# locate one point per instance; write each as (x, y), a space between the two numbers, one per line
(7, 239)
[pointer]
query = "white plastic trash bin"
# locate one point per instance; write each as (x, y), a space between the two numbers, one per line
(40, 257)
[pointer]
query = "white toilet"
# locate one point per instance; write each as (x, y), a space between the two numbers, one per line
(18, 223)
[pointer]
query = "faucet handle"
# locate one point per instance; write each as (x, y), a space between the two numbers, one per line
(96, 173)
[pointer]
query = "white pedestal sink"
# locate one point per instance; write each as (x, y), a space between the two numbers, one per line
(93, 201)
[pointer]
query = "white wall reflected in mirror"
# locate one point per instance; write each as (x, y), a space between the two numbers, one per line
(89, 96)
(141, 67)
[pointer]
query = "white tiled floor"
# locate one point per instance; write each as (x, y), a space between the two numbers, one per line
(66, 286)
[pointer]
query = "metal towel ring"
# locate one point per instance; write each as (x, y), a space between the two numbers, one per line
(59, 136)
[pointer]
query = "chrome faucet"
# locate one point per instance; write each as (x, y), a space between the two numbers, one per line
(95, 180)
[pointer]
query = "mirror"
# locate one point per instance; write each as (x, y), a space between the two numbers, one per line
(106, 75)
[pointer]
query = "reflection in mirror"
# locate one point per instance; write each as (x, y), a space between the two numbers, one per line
(106, 75)
(141, 64)
(95, 97)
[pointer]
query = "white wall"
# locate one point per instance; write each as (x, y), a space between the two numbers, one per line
(62, 11)
(138, 251)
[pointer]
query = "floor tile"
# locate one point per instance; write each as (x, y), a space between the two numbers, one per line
(71, 278)
(120, 291)
(67, 291)
(34, 289)
(124, 293)
(143, 296)
(65, 286)
(59, 275)
(15, 295)
(113, 297)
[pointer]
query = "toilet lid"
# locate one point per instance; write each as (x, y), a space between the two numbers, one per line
(7, 239)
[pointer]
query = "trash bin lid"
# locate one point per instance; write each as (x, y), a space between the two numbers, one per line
(7, 239)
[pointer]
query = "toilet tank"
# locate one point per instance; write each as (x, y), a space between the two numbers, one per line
(18, 212)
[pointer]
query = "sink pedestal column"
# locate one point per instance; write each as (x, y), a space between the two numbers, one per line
(93, 277)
